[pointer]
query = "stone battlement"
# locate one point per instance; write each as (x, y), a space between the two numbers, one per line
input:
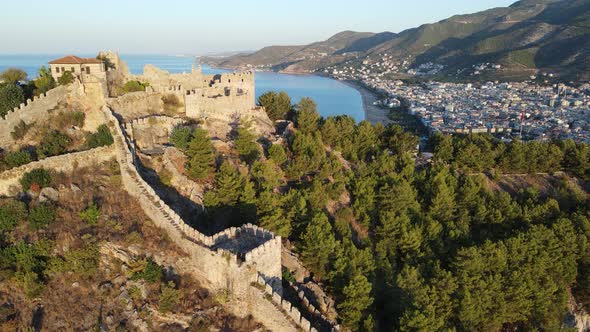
(233, 259)
(170, 220)
(9, 180)
(33, 110)
(173, 121)
(50, 97)
(289, 309)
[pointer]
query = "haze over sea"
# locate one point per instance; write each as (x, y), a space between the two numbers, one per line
(331, 96)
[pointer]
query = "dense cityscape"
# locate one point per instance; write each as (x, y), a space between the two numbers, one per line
(544, 111)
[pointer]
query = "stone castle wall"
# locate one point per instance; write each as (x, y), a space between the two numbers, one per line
(137, 104)
(205, 95)
(193, 241)
(35, 110)
(9, 180)
(213, 258)
(218, 102)
(152, 131)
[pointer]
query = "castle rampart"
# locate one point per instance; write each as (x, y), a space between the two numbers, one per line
(222, 260)
(9, 180)
(35, 110)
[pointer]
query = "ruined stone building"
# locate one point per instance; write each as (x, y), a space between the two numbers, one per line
(205, 96)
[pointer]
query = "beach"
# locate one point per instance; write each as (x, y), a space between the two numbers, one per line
(373, 113)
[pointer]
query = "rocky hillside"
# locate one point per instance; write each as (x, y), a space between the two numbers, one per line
(530, 35)
(79, 254)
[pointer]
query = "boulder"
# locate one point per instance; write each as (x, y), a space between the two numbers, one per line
(48, 194)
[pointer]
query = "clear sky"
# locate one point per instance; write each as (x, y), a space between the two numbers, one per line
(197, 27)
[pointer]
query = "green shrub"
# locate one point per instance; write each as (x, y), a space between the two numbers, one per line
(18, 158)
(11, 213)
(181, 137)
(83, 262)
(11, 96)
(102, 137)
(108, 64)
(288, 276)
(41, 216)
(30, 283)
(44, 81)
(169, 298)
(40, 177)
(13, 75)
(54, 143)
(91, 214)
(134, 86)
(21, 129)
(66, 78)
(135, 293)
(70, 119)
(277, 154)
(151, 273)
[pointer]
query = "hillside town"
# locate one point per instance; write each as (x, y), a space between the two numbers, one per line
(526, 109)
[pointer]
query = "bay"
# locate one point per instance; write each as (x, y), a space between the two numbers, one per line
(331, 96)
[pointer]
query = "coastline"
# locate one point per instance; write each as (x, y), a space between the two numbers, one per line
(374, 114)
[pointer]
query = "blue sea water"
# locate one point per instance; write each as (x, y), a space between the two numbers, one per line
(331, 96)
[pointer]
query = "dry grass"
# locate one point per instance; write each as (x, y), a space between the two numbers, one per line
(73, 302)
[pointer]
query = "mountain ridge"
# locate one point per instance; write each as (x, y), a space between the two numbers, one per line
(525, 38)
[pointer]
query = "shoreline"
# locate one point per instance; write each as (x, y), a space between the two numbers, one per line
(374, 114)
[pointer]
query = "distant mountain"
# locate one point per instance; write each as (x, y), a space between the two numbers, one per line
(528, 36)
(304, 57)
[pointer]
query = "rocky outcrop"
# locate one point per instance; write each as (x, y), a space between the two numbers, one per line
(152, 131)
(577, 318)
(137, 104)
(173, 158)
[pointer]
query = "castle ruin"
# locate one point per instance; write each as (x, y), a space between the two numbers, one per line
(244, 261)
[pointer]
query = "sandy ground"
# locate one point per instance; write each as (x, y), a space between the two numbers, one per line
(373, 114)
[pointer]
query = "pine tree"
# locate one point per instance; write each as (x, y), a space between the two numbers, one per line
(201, 155)
(276, 153)
(365, 142)
(181, 137)
(318, 244)
(307, 116)
(246, 145)
(247, 202)
(277, 105)
(272, 215)
(228, 184)
(357, 298)
(266, 174)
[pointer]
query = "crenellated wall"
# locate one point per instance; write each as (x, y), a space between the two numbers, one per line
(234, 259)
(35, 110)
(9, 180)
(218, 102)
(291, 310)
(152, 131)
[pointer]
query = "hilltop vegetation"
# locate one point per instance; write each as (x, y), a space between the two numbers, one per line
(549, 35)
(78, 254)
(409, 248)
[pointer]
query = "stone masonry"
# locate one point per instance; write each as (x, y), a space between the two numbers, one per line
(235, 259)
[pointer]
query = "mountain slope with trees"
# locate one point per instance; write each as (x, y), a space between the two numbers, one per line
(531, 35)
(402, 247)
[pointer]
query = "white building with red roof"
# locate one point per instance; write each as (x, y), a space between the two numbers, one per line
(86, 69)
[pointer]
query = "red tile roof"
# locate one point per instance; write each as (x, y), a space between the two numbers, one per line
(72, 59)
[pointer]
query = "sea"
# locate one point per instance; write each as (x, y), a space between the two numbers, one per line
(331, 96)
